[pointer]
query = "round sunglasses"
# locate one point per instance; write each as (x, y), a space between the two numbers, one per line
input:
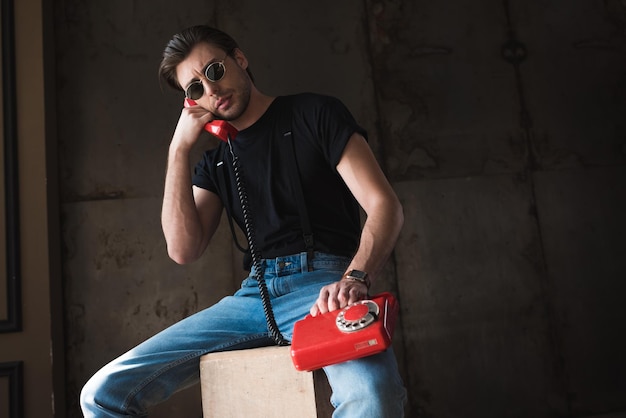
(213, 72)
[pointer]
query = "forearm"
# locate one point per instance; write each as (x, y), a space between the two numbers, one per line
(378, 237)
(179, 217)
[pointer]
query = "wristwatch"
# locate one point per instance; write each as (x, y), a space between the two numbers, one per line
(359, 276)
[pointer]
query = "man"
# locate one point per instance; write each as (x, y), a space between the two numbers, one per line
(329, 269)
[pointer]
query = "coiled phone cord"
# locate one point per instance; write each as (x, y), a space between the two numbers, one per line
(256, 262)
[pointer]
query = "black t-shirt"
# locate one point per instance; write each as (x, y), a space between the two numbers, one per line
(321, 127)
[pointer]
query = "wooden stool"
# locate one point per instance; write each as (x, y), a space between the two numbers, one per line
(261, 383)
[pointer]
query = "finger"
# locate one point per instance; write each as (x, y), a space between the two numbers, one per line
(333, 304)
(329, 304)
(321, 304)
(314, 310)
(336, 297)
(343, 292)
(197, 112)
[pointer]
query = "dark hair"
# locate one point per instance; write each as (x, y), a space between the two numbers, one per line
(181, 44)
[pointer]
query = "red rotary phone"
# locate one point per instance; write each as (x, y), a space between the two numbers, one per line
(219, 128)
(359, 330)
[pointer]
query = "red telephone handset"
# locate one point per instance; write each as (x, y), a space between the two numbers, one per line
(219, 128)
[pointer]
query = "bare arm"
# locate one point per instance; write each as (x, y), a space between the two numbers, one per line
(363, 176)
(189, 215)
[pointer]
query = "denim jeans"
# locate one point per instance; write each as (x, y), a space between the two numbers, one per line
(169, 361)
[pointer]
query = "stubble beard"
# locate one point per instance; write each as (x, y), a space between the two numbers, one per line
(240, 101)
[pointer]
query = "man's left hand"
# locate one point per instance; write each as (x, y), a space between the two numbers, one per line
(338, 295)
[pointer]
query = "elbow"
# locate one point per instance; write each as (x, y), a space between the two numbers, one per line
(180, 256)
(183, 248)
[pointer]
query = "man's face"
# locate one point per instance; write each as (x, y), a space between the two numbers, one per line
(227, 98)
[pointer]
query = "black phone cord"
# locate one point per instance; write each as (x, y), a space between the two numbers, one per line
(259, 269)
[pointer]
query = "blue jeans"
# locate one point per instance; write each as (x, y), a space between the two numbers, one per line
(169, 361)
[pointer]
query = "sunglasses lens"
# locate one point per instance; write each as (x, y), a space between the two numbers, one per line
(195, 91)
(215, 71)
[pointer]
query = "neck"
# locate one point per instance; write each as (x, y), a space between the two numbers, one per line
(257, 106)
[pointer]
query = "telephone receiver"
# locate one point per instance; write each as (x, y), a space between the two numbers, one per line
(217, 127)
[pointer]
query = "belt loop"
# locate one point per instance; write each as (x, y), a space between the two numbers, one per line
(304, 263)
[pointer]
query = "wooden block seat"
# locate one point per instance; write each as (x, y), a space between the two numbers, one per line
(261, 383)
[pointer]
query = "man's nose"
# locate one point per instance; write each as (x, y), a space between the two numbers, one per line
(210, 88)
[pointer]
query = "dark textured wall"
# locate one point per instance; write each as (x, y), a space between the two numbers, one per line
(500, 125)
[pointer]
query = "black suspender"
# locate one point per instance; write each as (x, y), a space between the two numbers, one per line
(296, 185)
(221, 179)
(294, 174)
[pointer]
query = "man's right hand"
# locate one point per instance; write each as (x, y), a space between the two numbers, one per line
(190, 124)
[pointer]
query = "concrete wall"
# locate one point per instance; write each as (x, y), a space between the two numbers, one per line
(500, 125)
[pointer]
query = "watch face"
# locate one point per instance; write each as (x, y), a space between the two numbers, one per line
(357, 274)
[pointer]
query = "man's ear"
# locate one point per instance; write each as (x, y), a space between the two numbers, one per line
(240, 57)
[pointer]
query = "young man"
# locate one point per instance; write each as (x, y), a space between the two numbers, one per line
(328, 270)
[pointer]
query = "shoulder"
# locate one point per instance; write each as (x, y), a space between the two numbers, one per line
(314, 100)
(314, 108)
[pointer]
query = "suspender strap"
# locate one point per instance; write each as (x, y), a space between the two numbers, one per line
(296, 183)
(221, 178)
